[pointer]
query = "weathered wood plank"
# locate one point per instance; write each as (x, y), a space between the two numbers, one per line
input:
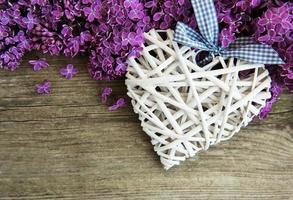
(68, 146)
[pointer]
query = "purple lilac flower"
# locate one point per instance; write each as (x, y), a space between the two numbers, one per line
(3, 32)
(4, 18)
(270, 19)
(276, 90)
(106, 91)
(39, 64)
(44, 88)
(130, 3)
(39, 2)
(30, 21)
(284, 13)
(135, 52)
(270, 38)
(226, 37)
(287, 75)
(136, 12)
(85, 37)
(121, 67)
(132, 38)
(73, 47)
(66, 31)
(57, 12)
(6, 57)
(68, 72)
(118, 104)
(91, 12)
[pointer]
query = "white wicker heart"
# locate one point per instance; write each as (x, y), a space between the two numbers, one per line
(185, 108)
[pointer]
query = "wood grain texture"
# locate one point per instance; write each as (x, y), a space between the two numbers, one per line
(68, 146)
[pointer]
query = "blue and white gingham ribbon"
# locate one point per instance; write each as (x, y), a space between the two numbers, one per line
(243, 48)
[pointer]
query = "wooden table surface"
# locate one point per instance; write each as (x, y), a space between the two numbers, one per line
(68, 146)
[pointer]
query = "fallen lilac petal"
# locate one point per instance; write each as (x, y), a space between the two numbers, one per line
(44, 88)
(118, 104)
(39, 64)
(68, 72)
(106, 91)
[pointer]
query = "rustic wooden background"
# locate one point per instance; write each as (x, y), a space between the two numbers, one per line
(68, 146)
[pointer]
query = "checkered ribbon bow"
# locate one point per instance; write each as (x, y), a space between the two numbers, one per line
(243, 48)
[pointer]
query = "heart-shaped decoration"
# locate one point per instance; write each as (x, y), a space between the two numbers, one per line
(185, 108)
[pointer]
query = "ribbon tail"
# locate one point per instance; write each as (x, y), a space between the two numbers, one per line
(239, 42)
(189, 37)
(254, 53)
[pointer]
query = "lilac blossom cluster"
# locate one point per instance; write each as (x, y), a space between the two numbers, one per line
(109, 31)
(275, 28)
(269, 22)
(119, 26)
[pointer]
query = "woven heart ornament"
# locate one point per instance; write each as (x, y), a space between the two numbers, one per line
(185, 108)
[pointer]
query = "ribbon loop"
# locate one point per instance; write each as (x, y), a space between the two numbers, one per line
(243, 48)
(206, 18)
